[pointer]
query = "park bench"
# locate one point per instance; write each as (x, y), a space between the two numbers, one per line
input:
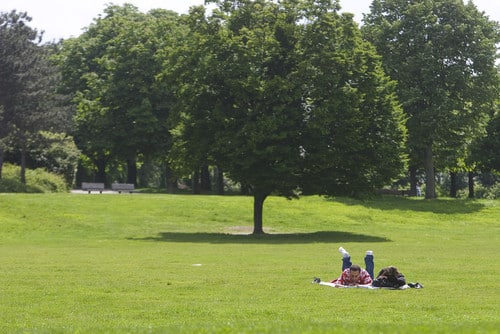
(93, 186)
(123, 187)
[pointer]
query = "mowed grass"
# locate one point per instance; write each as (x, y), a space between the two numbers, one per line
(180, 264)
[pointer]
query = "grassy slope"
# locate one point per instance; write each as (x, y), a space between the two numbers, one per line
(125, 263)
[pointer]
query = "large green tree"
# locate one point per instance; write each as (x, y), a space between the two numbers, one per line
(291, 99)
(354, 136)
(187, 66)
(18, 54)
(28, 82)
(442, 53)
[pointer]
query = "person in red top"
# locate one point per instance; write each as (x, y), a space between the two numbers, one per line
(353, 276)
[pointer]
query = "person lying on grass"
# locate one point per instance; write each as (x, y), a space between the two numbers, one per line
(389, 277)
(354, 276)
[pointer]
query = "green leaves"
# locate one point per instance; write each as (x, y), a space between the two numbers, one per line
(29, 99)
(293, 98)
(283, 96)
(442, 53)
(113, 68)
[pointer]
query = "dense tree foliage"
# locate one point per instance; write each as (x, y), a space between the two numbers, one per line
(28, 96)
(111, 68)
(57, 153)
(354, 125)
(486, 151)
(17, 54)
(442, 54)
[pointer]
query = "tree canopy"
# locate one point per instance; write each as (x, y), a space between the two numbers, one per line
(442, 53)
(28, 89)
(111, 68)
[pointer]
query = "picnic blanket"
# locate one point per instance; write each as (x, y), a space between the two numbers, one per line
(404, 287)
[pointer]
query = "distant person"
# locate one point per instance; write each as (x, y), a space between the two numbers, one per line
(419, 190)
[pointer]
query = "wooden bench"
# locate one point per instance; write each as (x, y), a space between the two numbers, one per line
(93, 186)
(123, 187)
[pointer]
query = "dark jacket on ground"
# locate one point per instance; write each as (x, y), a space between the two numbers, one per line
(387, 280)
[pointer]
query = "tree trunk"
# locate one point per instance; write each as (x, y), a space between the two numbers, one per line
(79, 175)
(471, 185)
(258, 207)
(413, 181)
(220, 181)
(23, 166)
(453, 185)
(1, 161)
(131, 170)
(170, 180)
(101, 170)
(430, 183)
(196, 182)
(206, 183)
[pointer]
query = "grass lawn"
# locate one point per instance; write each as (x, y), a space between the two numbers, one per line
(180, 264)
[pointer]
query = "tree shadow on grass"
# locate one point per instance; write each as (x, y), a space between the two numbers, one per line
(274, 238)
(438, 206)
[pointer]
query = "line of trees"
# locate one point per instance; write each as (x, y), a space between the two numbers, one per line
(285, 98)
(442, 54)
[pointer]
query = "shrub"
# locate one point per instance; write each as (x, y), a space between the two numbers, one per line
(491, 192)
(58, 154)
(37, 181)
(482, 191)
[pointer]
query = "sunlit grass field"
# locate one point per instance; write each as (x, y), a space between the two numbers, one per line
(142, 263)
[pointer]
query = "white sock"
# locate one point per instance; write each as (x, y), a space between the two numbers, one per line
(343, 252)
